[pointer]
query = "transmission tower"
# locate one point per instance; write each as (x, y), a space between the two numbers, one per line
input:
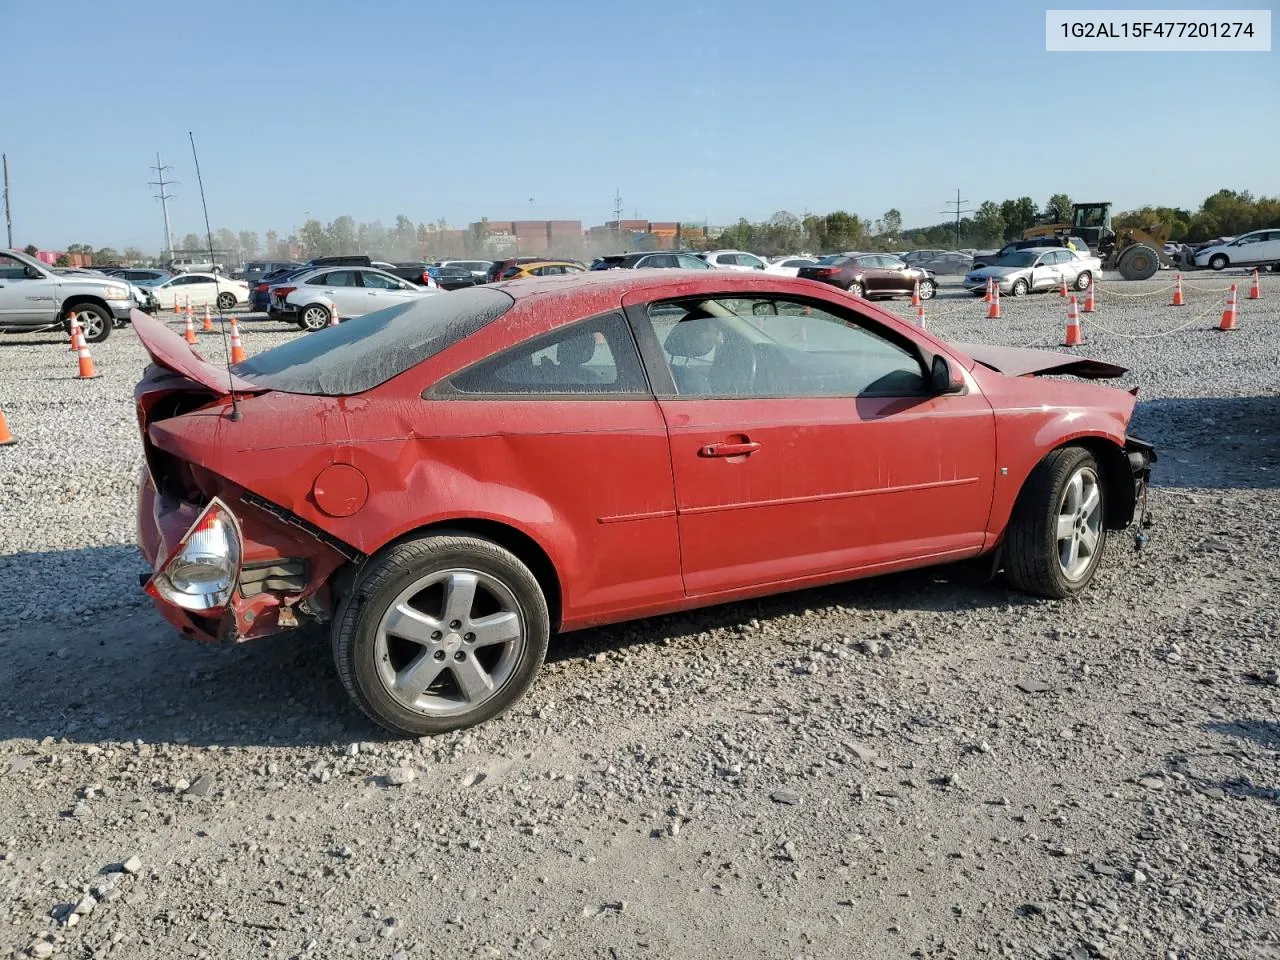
(164, 198)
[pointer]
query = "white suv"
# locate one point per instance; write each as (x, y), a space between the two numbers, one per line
(733, 260)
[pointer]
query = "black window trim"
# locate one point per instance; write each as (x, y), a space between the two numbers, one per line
(663, 383)
(444, 389)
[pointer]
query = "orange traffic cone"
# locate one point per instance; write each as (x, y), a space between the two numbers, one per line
(1255, 288)
(208, 320)
(1062, 290)
(1073, 325)
(333, 314)
(189, 331)
(1089, 305)
(1177, 291)
(993, 311)
(237, 347)
(987, 298)
(6, 438)
(73, 327)
(1228, 321)
(87, 370)
(915, 294)
(920, 315)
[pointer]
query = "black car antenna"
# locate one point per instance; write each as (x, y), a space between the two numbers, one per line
(236, 415)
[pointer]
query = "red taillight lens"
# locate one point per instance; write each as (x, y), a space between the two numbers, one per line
(826, 271)
(260, 288)
(283, 292)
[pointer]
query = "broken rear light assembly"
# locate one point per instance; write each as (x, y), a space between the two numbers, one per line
(201, 572)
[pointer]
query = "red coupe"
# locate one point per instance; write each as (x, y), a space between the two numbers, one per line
(449, 481)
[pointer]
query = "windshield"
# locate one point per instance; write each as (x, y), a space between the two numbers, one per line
(1019, 258)
(367, 351)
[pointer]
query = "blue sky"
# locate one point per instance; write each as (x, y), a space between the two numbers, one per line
(694, 110)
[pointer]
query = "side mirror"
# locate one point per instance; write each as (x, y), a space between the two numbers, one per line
(31, 273)
(762, 308)
(944, 378)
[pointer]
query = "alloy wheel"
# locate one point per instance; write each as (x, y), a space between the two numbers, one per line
(1079, 523)
(449, 642)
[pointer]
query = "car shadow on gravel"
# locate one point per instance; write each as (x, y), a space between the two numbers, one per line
(90, 673)
(942, 589)
(1218, 442)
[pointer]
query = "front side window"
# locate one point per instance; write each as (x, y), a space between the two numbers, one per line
(380, 281)
(687, 262)
(746, 260)
(589, 357)
(768, 347)
(12, 268)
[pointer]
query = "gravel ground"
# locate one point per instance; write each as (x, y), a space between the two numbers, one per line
(925, 765)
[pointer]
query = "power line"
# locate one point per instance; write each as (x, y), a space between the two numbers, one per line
(957, 201)
(164, 199)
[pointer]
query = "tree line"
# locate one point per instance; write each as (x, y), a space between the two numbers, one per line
(1224, 213)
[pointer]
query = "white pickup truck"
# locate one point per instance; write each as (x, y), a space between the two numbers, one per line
(34, 297)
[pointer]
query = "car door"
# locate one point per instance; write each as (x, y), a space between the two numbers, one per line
(1250, 249)
(343, 288)
(749, 262)
(170, 294)
(25, 299)
(874, 276)
(1044, 273)
(805, 442)
(383, 290)
(552, 410)
(898, 277)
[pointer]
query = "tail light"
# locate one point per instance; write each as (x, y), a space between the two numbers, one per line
(260, 288)
(202, 571)
(825, 271)
(283, 292)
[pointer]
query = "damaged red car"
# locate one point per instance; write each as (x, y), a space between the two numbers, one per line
(449, 482)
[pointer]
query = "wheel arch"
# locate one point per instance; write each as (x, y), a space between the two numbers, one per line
(1117, 475)
(525, 548)
(79, 299)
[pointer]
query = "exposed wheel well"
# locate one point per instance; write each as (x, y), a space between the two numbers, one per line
(1116, 475)
(75, 301)
(526, 549)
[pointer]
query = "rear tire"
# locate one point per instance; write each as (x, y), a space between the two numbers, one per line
(927, 289)
(1052, 513)
(456, 582)
(857, 289)
(226, 301)
(313, 317)
(1082, 281)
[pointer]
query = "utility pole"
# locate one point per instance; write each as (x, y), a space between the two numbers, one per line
(164, 199)
(8, 219)
(958, 202)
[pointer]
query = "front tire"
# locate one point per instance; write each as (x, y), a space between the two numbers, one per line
(1057, 532)
(226, 301)
(1019, 288)
(313, 317)
(1218, 261)
(441, 633)
(95, 322)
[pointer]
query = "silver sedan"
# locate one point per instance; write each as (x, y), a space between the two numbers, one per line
(1035, 269)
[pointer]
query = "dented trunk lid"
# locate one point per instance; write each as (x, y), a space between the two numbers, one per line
(1030, 362)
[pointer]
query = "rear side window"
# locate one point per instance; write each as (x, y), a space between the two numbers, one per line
(369, 350)
(590, 357)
